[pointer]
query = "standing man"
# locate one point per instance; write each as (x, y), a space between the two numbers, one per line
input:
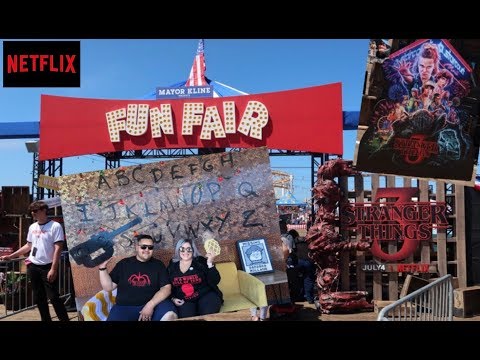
(143, 292)
(45, 241)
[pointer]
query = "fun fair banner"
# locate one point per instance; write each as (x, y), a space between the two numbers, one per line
(280, 120)
(422, 124)
(228, 196)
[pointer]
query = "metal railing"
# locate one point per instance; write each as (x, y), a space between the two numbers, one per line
(433, 302)
(16, 292)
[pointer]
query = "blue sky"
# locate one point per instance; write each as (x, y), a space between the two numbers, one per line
(130, 69)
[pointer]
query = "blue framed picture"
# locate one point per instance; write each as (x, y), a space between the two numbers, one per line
(254, 256)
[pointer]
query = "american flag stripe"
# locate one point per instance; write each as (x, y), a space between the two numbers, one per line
(197, 72)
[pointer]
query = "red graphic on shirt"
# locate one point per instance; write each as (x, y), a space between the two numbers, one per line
(186, 284)
(139, 280)
(187, 289)
(189, 279)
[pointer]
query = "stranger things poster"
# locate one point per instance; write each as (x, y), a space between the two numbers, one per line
(421, 120)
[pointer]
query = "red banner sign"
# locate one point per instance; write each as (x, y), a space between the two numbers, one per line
(308, 119)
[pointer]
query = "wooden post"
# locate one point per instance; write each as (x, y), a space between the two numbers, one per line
(21, 225)
(407, 182)
(377, 276)
(425, 245)
(441, 236)
(460, 235)
(360, 198)
(345, 255)
(392, 248)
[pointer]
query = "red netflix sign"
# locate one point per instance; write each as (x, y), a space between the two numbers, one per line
(41, 64)
(400, 220)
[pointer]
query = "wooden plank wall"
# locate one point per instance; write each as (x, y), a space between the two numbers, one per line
(15, 200)
(445, 253)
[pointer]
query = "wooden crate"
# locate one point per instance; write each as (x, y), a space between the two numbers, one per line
(378, 305)
(466, 301)
(405, 310)
(411, 284)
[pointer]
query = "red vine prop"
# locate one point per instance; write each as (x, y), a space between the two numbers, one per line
(325, 243)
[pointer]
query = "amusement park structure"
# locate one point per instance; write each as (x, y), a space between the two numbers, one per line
(282, 182)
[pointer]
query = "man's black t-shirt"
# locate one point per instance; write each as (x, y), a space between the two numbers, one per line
(138, 281)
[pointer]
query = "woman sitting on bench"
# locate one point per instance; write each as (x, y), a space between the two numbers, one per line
(194, 280)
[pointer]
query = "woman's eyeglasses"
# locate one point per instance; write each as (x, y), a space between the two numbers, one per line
(149, 247)
(188, 250)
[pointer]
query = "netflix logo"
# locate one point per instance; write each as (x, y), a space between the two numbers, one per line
(41, 64)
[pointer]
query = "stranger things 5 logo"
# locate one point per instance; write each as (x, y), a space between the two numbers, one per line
(41, 64)
(398, 219)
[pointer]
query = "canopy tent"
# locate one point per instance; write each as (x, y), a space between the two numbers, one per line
(197, 78)
(290, 200)
(291, 209)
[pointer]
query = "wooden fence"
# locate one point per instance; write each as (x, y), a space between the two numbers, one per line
(445, 252)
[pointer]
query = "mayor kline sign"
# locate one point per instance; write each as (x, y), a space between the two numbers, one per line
(184, 92)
